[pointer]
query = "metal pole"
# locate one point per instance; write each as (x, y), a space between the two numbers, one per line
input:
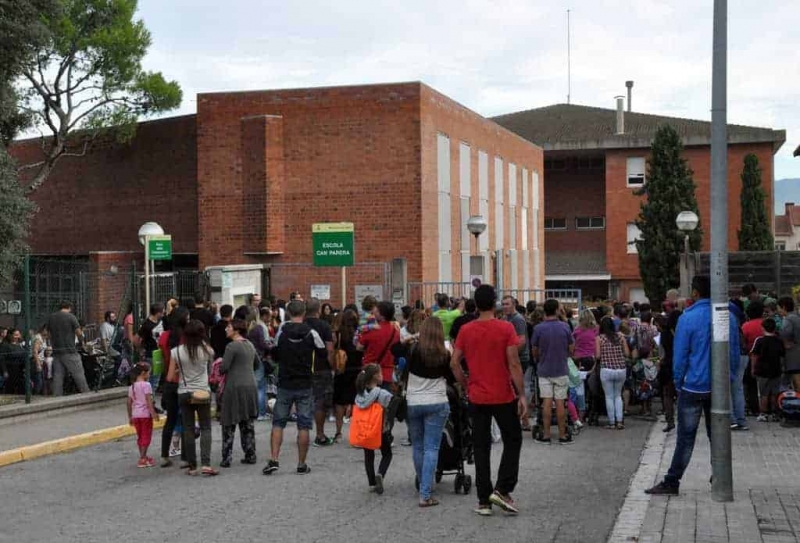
(147, 276)
(134, 310)
(722, 484)
(687, 288)
(344, 287)
(28, 337)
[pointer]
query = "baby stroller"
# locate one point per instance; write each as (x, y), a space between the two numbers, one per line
(537, 429)
(456, 448)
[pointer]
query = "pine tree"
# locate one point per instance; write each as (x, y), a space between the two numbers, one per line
(669, 189)
(754, 234)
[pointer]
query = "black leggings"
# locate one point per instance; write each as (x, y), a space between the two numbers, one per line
(386, 458)
(169, 401)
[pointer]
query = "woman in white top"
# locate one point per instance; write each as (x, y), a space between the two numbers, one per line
(426, 397)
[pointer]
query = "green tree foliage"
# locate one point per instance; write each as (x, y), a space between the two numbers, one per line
(88, 78)
(21, 32)
(755, 234)
(669, 189)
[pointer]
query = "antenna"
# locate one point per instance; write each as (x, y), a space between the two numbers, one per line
(569, 66)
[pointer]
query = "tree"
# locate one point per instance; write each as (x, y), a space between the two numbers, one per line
(87, 78)
(669, 189)
(754, 234)
(21, 31)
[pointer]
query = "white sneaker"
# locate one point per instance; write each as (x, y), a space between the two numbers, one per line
(763, 418)
(578, 424)
(331, 419)
(347, 420)
(174, 451)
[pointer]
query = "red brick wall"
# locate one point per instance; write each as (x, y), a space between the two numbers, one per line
(623, 207)
(350, 154)
(98, 202)
(575, 193)
(441, 114)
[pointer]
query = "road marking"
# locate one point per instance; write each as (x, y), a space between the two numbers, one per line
(631, 516)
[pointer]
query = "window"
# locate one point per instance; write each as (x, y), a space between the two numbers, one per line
(634, 234)
(636, 166)
(555, 224)
(590, 223)
(781, 245)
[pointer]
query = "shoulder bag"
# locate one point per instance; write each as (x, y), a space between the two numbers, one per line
(339, 355)
(199, 397)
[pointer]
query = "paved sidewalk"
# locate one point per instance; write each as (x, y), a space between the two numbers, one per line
(766, 507)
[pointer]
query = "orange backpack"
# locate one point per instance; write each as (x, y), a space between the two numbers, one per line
(366, 427)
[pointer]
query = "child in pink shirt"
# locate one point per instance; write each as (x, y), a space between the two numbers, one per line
(142, 412)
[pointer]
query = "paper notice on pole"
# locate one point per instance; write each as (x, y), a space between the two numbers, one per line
(321, 292)
(721, 322)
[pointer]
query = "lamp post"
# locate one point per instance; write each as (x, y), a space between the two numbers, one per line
(687, 222)
(148, 229)
(476, 225)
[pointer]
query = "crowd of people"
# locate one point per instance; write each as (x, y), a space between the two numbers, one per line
(543, 368)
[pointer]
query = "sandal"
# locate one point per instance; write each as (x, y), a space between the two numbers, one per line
(430, 502)
(192, 472)
(610, 427)
(337, 438)
(185, 465)
(620, 426)
(209, 471)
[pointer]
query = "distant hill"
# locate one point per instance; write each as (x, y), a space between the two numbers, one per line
(786, 190)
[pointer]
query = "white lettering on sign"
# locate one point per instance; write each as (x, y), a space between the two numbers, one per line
(721, 322)
(342, 252)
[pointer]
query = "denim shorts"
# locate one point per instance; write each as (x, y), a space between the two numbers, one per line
(302, 399)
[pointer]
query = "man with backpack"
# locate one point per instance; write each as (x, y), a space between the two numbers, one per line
(297, 344)
(323, 372)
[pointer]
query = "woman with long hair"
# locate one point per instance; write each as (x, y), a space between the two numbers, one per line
(344, 383)
(413, 324)
(326, 313)
(171, 338)
(192, 358)
(611, 350)
(240, 401)
(428, 368)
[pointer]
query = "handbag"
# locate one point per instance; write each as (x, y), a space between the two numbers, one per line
(339, 356)
(199, 397)
(366, 427)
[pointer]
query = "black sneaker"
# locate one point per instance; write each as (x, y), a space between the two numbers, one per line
(303, 469)
(542, 440)
(668, 428)
(251, 460)
(271, 467)
(662, 489)
(323, 441)
(379, 484)
(566, 440)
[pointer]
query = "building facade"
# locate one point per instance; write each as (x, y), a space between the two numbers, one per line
(593, 167)
(787, 229)
(239, 185)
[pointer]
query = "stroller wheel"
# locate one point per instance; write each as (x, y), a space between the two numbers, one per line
(459, 483)
(438, 476)
(467, 483)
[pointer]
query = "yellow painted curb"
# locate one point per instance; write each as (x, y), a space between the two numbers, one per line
(65, 444)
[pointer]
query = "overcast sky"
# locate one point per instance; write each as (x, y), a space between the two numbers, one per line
(493, 57)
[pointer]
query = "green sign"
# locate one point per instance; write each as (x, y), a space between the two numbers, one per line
(333, 244)
(160, 247)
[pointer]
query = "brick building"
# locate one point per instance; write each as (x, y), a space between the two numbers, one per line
(591, 172)
(239, 184)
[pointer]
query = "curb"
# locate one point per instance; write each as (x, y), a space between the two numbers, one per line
(66, 444)
(17, 412)
(629, 521)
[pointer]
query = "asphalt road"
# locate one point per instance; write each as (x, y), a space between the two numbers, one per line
(566, 494)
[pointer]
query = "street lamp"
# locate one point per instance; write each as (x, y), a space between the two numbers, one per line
(687, 222)
(476, 225)
(147, 230)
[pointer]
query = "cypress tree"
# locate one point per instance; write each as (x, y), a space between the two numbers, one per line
(754, 234)
(669, 189)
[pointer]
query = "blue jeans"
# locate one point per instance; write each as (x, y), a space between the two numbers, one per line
(426, 423)
(737, 393)
(690, 406)
(302, 399)
(613, 382)
(261, 383)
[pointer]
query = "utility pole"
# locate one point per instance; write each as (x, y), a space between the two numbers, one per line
(721, 469)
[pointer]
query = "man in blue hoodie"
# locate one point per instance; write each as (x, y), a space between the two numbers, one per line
(691, 371)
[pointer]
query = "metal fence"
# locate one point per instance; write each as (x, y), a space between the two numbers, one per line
(326, 282)
(770, 271)
(425, 292)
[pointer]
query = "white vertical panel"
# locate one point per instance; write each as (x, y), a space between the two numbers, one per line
(525, 191)
(444, 222)
(512, 184)
(483, 175)
(443, 162)
(523, 219)
(483, 241)
(536, 279)
(464, 212)
(499, 220)
(498, 179)
(512, 227)
(535, 183)
(526, 269)
(445, 267)
(465, 267)
(535, 221)
(464, 164)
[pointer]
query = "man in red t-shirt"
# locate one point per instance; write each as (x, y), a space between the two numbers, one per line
(377, 343)
(496, 390)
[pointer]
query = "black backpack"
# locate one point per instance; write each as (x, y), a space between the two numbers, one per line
(295, 353)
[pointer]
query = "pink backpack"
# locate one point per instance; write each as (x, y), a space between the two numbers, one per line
(216, 378)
